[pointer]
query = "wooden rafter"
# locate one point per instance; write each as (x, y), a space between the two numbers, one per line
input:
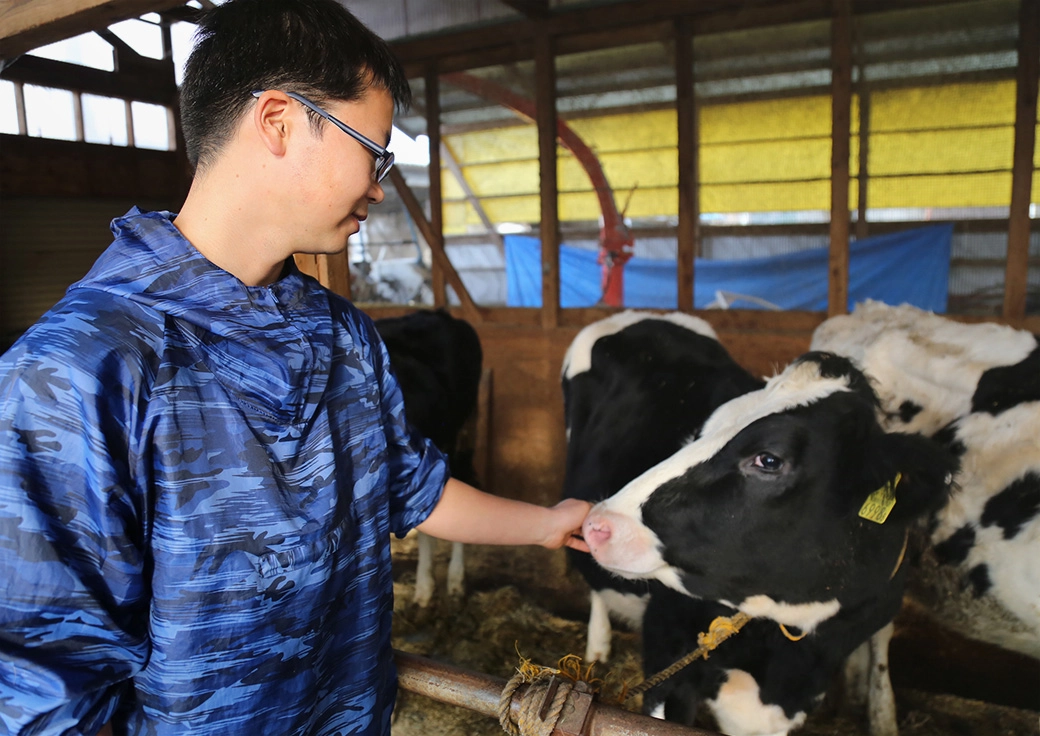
(26, 25)
(529, 8)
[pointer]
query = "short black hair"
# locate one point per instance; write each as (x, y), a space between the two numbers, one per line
(315, 48)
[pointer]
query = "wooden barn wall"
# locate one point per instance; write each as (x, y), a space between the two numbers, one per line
(46, 244)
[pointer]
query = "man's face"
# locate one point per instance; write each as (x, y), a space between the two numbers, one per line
(334, 179)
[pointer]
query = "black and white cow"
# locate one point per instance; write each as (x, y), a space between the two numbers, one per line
(976, 389)
(636, 387)
(438, 361)
(755, 507)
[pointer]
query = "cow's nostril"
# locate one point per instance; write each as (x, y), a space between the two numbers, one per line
(596, 532)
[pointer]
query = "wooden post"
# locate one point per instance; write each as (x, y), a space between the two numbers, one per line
(862, 229)
(433, 239)
(863, 165)
(1022, 169)
(689, 206)
(545, 102)
(841, 99)
(433, 132)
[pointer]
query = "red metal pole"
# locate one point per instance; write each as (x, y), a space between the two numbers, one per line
(615, 240)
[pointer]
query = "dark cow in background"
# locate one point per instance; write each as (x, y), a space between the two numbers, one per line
(438, 361)
(976, 389)
(757, 505)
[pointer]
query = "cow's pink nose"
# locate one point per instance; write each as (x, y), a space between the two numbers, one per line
(596, 532)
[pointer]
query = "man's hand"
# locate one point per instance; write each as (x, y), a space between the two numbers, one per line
(565, 528)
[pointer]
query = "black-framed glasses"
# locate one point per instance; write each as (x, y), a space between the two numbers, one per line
(384, 158)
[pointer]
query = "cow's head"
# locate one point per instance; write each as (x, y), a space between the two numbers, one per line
(761, 510)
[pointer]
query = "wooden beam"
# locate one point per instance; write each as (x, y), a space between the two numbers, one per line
(26, 25)
(436, 243)
(1022, 172)
(529, 8)
(433, 132)
(334, 272)
(689, 204)
(841, 103)
(42, 167)
(862, 227)
(709, 16)
(150, 80)
(545, 107)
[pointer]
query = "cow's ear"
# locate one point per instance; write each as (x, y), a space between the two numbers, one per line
(914, 471)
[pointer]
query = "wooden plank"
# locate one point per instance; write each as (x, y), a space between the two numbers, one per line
(43, 167)
(689, 205)
(334, 272)
(308, 264)
(634, 35)
(841, 103)
(433, 131)
(545, 102)
(471, 311)
(862, 228)
(26, 25)
(1028, 77)
(151, 81)
(530, 8)
(19, 109)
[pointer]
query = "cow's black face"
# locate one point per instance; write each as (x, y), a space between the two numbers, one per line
(761, 510)
(769, 514)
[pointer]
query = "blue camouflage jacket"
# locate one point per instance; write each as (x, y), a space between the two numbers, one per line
(198, 480)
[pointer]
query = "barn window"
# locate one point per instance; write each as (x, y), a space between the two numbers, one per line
(151, 126)
(104, 120)
(87, 49)
(144, 35)
(50, 113)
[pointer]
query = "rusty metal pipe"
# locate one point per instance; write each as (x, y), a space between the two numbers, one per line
(478, 692)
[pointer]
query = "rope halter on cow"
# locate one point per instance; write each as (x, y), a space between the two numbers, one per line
(722, 628)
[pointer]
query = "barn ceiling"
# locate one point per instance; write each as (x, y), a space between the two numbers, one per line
(25, 25)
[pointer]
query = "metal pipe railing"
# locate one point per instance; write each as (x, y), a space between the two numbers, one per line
(581, 715)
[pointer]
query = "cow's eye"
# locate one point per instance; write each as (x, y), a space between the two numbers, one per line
(768, 462)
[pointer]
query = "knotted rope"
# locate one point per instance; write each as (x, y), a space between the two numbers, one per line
(548, 688)
(542, 703)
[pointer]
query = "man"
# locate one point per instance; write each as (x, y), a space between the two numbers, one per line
(203, 452)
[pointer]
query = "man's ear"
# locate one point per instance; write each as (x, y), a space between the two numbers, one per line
(925, 471)
(272, 119)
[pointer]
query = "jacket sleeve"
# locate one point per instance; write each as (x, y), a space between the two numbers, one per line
(73, 618)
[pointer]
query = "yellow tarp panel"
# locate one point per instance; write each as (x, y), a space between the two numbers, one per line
(943, 146)
(942, 190)
(946, 106)
(766, 120)
(629, 132)
(494, 180)
(769, 155)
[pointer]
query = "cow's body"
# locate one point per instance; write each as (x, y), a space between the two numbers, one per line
(975, 388)
(755, 511)
(636, 386)
(437, 360)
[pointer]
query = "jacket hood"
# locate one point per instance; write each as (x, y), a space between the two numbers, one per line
(152, 263)
(270, 345)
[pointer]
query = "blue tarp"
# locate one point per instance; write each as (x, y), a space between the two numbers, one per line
(910, 267)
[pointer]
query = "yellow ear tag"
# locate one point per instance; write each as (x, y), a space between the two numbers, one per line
(880, 503)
